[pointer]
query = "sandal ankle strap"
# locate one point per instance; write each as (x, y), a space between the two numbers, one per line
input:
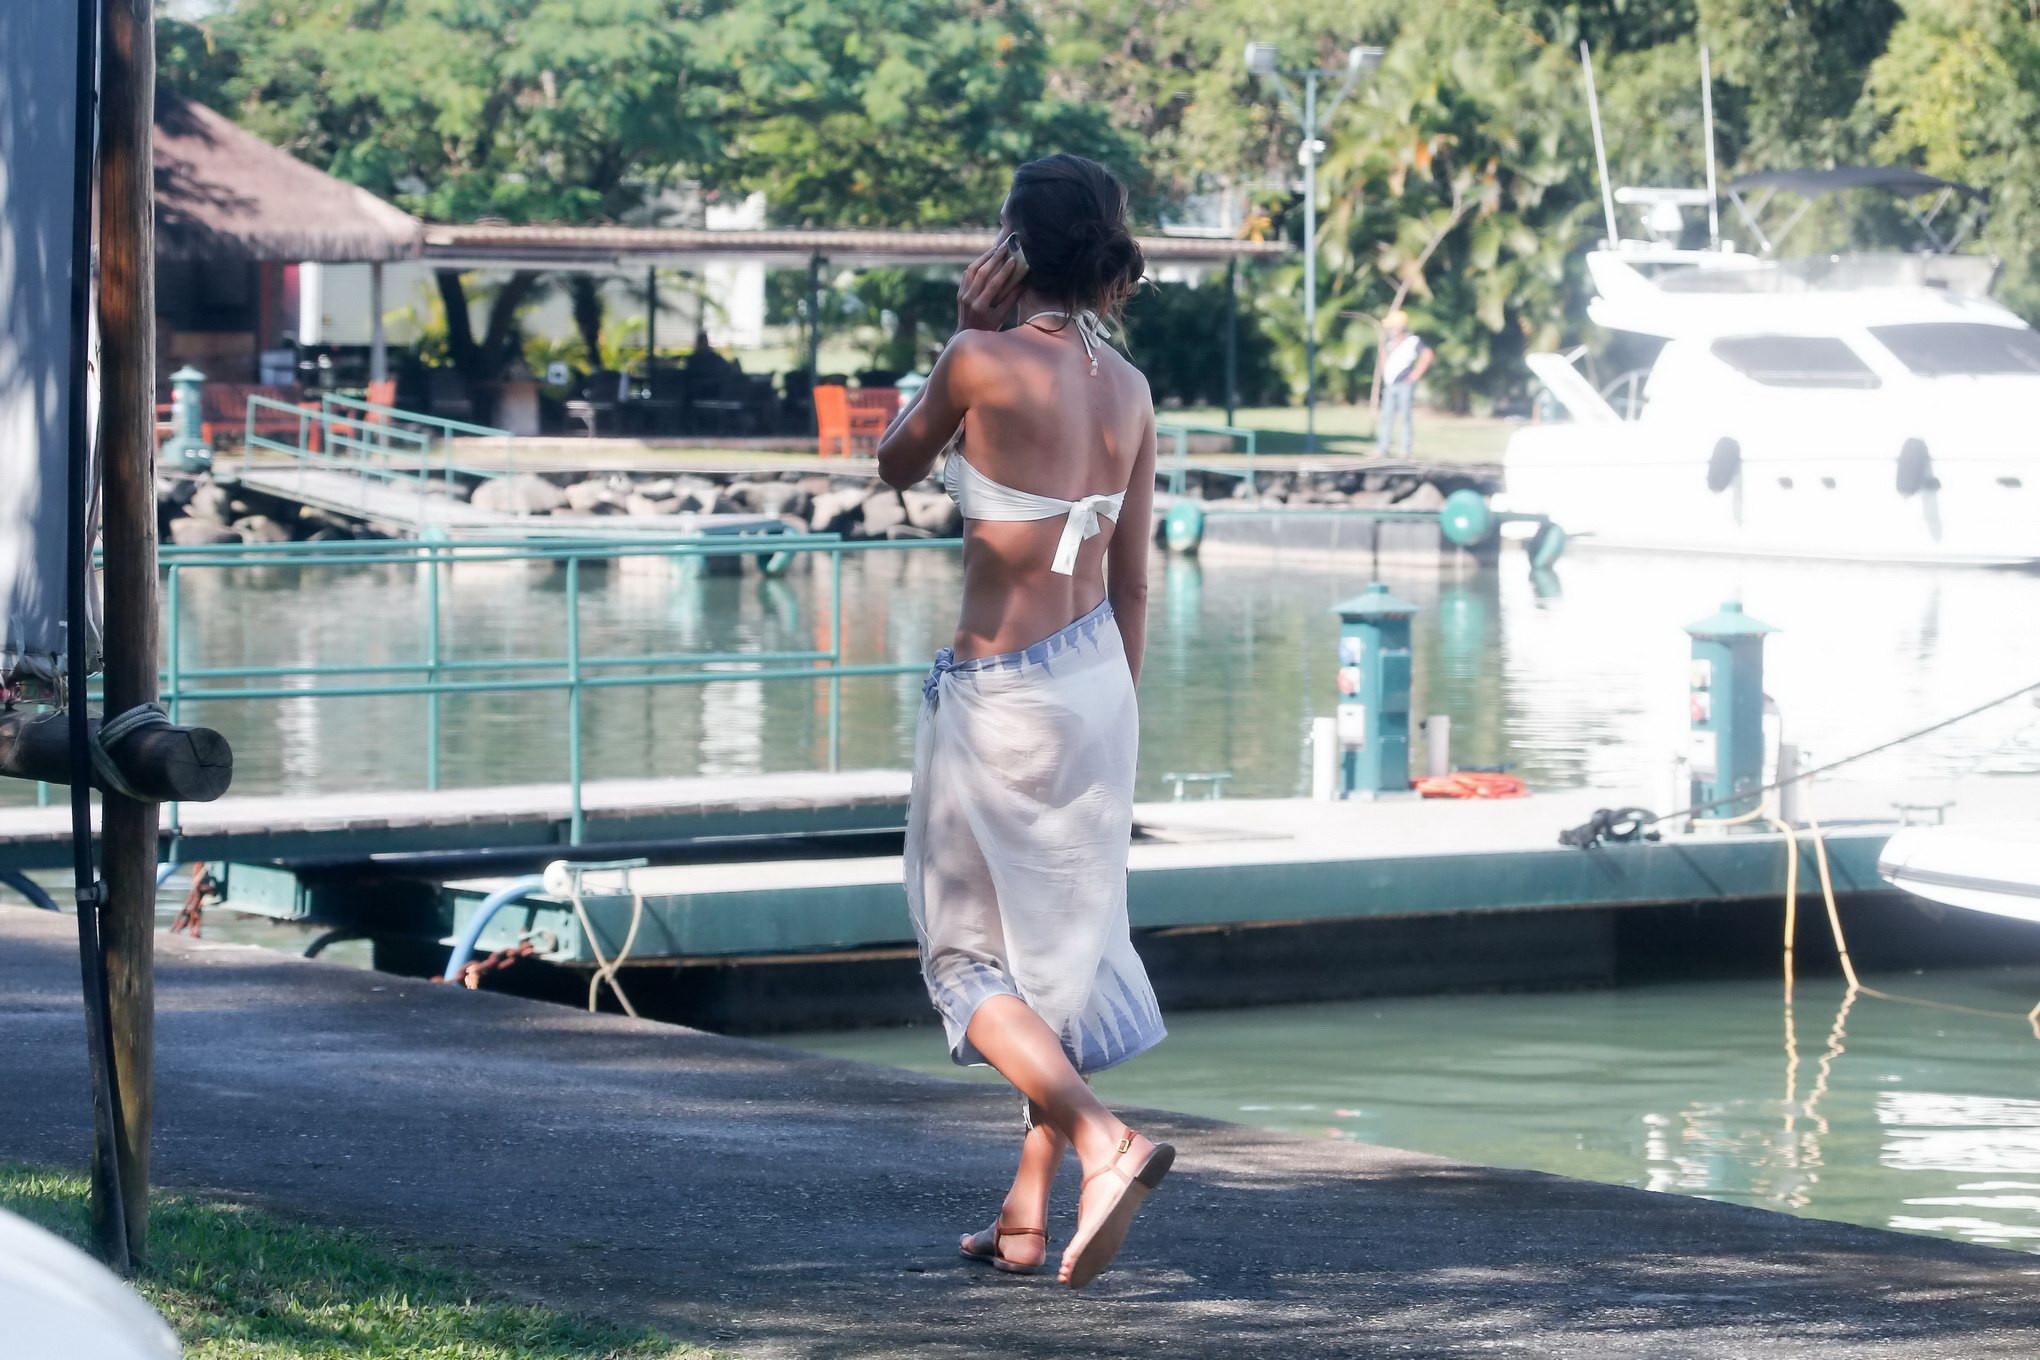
(1125, 1146)
(1001, 1230)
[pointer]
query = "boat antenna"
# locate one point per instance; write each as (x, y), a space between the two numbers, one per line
(1707, 118)
(1600, 148)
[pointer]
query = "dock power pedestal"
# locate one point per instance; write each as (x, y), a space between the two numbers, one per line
(1727, 701)
(1374, 695)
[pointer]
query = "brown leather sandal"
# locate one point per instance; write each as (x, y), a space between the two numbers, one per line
(1099, 1240)
(984, 1246)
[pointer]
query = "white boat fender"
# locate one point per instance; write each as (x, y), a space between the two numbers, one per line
(1916, 469)
(1724, 465)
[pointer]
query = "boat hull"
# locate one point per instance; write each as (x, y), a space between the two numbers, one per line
(1994, 869)
(1644, 485)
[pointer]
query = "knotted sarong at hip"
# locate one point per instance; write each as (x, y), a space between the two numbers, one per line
(1017, 840)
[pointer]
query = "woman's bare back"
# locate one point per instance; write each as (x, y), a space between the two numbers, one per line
(1038, 420)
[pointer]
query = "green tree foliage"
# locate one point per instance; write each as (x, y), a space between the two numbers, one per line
(1958, 94)
(530, 110)
(1459, 179)
(1174, 76)
(1611, 26)
(1176, 334)
(191, 60)
(892, 113)
(1453, 188)
(1792, 74)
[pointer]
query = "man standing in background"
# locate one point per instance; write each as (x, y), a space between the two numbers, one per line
(1405, 358)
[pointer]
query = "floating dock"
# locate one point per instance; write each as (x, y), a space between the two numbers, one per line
(379, 831)
(1244, 901)
(413, 508)
(775, 901)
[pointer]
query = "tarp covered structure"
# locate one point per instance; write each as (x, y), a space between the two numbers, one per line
(38, 69)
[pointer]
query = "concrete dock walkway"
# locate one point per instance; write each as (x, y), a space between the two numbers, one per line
(772, 1204)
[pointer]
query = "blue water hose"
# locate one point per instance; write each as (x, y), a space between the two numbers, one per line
(464, 947)
(28, 888)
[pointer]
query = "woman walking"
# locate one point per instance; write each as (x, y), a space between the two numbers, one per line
(1023, 771)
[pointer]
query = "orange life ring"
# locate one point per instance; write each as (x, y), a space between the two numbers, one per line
(1471, 784)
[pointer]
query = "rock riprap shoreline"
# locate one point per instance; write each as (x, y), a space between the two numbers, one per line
(200, 511)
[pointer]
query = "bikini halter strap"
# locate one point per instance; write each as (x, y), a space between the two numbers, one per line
(1090, 329)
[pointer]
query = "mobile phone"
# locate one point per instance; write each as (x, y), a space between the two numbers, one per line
(1013, 249)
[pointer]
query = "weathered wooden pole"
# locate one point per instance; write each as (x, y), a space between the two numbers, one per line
(109, 1213)
(127, 409)
(166, 763)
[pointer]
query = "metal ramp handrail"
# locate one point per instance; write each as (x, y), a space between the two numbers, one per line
(573, 672)
(378, 443)
(1181, 430)
(447, 426)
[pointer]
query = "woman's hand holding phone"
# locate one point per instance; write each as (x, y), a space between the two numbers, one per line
(990, 286)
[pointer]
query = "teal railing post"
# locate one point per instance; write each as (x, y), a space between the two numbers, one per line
(835, 660)
(432, 536)
(578, 825)
(173, 600)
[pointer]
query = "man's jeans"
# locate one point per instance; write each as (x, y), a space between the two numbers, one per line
(1397, 399)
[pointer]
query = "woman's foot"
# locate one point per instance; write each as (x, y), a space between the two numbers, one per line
(1019, 1251)
(1113, 1192)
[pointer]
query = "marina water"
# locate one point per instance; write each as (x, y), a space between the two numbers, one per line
(1581, 680)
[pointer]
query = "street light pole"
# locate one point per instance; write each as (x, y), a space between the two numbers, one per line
(1309, 154)
(1262, 61)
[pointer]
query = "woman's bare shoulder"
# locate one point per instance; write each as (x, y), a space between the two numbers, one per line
(1135, 382)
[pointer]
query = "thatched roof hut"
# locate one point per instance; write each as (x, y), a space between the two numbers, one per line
(225, 195)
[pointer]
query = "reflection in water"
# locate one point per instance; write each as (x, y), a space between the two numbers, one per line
(1587, 686)
(1922, 1116)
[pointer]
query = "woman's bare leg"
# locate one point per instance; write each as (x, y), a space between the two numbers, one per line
(1014, 1040)
(1026, 1204)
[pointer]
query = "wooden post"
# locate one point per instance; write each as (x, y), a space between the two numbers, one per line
(165, 764)
(814, 340)
(651, 319)
(109, 1213)
(1232, 341)
(127, 406)
(378, 340)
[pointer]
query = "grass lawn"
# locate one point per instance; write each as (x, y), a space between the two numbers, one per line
(1342, 429)
(241, 1285)
(1350, 429)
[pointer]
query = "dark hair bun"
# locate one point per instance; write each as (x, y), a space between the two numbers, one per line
(1071, 216)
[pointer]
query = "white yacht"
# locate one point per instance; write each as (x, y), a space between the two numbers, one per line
(1861, 407)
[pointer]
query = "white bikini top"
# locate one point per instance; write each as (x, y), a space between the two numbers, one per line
(979, 497)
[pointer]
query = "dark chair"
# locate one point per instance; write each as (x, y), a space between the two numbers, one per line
(658, 402)
(446, 395)
(719, 405)
(601, 395)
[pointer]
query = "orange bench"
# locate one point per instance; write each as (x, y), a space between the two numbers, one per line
(223, 409)
(852, 420)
